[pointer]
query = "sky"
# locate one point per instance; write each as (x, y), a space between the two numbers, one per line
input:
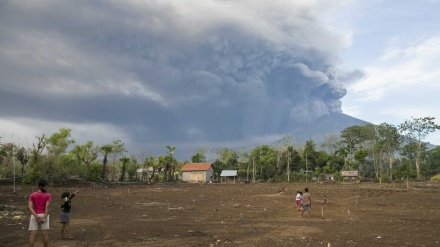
(215, 73)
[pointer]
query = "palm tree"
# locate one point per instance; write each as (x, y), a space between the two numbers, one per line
(169, 161)
(124, 161)
(105, 149)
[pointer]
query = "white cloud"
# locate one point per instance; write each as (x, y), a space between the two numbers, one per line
(22, 131)
(404, 82)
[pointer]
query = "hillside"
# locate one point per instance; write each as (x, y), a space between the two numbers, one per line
(330, 124)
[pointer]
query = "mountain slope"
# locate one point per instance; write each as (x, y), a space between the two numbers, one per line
(330, 124)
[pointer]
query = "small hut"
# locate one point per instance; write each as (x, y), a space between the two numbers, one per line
(228, 175)
(353, 175)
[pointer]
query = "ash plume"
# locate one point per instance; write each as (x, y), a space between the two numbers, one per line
(171, 70)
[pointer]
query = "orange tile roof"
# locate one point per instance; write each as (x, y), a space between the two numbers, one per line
(195, 167)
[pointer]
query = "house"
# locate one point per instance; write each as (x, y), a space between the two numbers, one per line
(227, 174)
(329, 176)
(353, 175)
(197, 172)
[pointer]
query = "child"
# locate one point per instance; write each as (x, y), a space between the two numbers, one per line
(298, 200)
(66, 205)
(325, 201)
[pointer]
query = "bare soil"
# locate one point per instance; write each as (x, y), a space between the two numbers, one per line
(359, 214)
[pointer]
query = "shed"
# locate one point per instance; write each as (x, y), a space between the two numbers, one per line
(350, 174)
(228, 174)
(197, 172)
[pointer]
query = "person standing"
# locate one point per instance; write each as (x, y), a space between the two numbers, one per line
(298, 200)
(66, 205)
(38, 205)
(325, 201)
(307, 203)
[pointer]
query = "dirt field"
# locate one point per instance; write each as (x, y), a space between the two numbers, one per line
(364, 214)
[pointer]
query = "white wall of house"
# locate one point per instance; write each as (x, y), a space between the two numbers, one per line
(197, 176)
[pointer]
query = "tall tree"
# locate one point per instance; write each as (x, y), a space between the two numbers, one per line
(434, 161)
(354, 138)
(150, 163)
(38, 148)
(58, 143)
(170, 163)
(86, 153)
(199, 156)
(116, 147)
(283, 152)
(23, 157)
(416, 129)
(244, 161)
(264, 156)
(124, 161)
(330, 143)
(390, 140)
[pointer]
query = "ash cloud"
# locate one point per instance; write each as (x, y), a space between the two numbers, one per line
(170, 70)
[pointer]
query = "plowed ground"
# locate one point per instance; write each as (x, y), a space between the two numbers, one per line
(364, 214)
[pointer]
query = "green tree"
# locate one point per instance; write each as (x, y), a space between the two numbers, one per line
(124, 160)
(228, 157)
(50, 166)
(434, 161)
(117, 147)
(170, 164)
(286, 150)
(354, 138)
(23, 157)
(331, 143)
(263, 159)
(86, 154)
(390, 140)
(308, 156)
(150, 162)
(404, 171)
(244, 162)
(199, 156)
(37, 149)
(416, 130)
(58, 143)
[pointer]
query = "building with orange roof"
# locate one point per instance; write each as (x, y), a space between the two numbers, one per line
(197, 172)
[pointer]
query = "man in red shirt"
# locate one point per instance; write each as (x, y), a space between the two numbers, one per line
(38, 205)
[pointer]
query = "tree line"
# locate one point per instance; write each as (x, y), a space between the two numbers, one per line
(380, 152)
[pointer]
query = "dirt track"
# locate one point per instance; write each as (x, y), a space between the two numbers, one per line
(362, 214)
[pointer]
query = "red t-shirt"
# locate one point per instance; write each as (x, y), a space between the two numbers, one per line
(39, 199)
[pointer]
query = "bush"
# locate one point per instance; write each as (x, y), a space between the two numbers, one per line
(385, 178)
(95, 172)
(435, 178)
(32, 177)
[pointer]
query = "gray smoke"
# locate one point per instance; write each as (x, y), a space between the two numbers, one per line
(170, 70)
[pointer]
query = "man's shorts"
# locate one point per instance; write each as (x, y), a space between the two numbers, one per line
(307, 207)
(33, 224)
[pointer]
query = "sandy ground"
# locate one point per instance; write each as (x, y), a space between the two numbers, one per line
(363, 214)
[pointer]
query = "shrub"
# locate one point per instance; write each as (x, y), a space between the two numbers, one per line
(385, 178)
(95, 172)
(32, 177)
(435, 178)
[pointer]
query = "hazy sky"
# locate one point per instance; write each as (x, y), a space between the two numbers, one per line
(211, 73)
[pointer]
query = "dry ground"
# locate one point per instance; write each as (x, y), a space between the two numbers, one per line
(363, 214)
